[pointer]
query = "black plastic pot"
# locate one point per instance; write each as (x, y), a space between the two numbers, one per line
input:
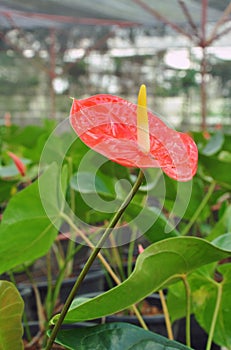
(155, 323)
(94, 281)
(198, 335)
(26, 294)
(33, 327)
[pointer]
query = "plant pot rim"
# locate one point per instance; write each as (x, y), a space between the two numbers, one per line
(41, 282)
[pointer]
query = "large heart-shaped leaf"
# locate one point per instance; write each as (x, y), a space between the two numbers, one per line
(205, 291)
(26, 232)
(115, 336)
(11, 310)
(223, 241)
(160, 264)
(205, 298)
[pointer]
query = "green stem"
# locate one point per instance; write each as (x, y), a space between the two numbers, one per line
(117, 259)
(199, 209)
(92, 257)
(139, 317)
(71, 243)
(48, 301)
(166, 315)
(107, 268)
(131, 251)
(215, 314)
(59, 253)
(60, 277)
(188, 310)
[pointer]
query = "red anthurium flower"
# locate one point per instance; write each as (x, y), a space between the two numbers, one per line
(132, 136)
(18, 163)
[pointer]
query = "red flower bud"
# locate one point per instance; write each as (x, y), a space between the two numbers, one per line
(18, 163)
(206, 135)
(140, 248)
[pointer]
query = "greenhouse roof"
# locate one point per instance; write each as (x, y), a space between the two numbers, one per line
(56, 13)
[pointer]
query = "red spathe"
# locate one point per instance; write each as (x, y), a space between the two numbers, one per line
(108, 125)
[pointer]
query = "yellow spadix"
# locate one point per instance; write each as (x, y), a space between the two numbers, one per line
(143, 138)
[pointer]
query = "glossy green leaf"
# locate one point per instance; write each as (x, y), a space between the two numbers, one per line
(26, 231)
(176, 301)
(160, 265)
(223, 241)
(11, 310)
(214, 144)
(205, 299)
(204, 292)
(176, 297)
(115, 336)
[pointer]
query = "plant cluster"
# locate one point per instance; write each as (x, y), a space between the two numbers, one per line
(46, 194)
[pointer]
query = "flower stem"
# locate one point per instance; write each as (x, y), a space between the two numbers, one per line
(166, 315)
(92, 257)
(131, 251)
(215, 314)
(106, 266)
(199, 209)
(188, 310)
(71, 243)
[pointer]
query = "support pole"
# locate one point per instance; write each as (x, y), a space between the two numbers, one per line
(203, 65)
(52, 73)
